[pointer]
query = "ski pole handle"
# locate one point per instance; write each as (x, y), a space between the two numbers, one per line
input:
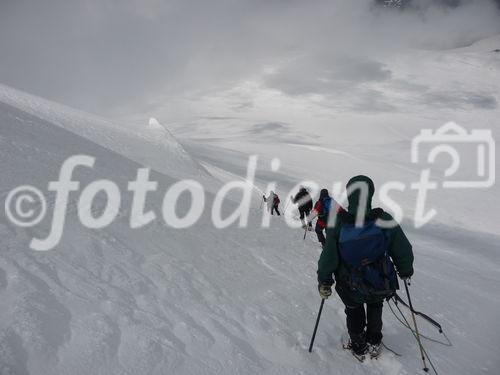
(316, 326)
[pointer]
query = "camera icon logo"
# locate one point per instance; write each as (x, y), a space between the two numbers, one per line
(472, 155)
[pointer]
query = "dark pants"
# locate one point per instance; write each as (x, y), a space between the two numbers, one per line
(357, 319)
(319, 232)
(304, 213)
(275, 208)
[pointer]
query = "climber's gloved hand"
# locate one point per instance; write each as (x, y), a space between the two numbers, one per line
(325, 290)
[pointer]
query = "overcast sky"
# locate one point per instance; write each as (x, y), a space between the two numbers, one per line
(117, 57)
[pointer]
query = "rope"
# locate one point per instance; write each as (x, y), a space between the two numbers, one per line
(447, 343)
(406, 324)
(398, 299)
(389, 349)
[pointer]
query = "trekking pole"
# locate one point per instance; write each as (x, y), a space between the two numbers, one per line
(316, 326)
(305, 233)
(422, 352)
(398, 299)
(286, 206)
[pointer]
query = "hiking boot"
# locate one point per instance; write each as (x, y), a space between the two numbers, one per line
(374, 350)
(357, 344)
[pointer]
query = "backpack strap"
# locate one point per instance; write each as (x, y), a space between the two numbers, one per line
(347, 218)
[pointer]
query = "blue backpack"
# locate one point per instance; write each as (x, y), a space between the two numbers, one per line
(364, 250)
(326, 206)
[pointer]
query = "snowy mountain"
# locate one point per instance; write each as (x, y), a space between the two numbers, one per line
(155, 142)
(157, 300)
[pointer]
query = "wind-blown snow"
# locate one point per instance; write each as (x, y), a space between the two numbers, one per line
(147, 146)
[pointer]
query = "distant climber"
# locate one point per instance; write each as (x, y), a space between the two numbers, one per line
(304, 201)
(322, 210)
(273, 202)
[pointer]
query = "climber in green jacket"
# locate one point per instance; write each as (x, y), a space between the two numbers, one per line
(360, 240)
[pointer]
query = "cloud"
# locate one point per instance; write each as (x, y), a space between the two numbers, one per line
(269, 128)
(118, 56)
(462, 100)
(333, 74)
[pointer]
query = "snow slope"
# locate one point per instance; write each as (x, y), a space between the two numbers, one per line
(203, 301)
(330, 138)
(155, 143)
